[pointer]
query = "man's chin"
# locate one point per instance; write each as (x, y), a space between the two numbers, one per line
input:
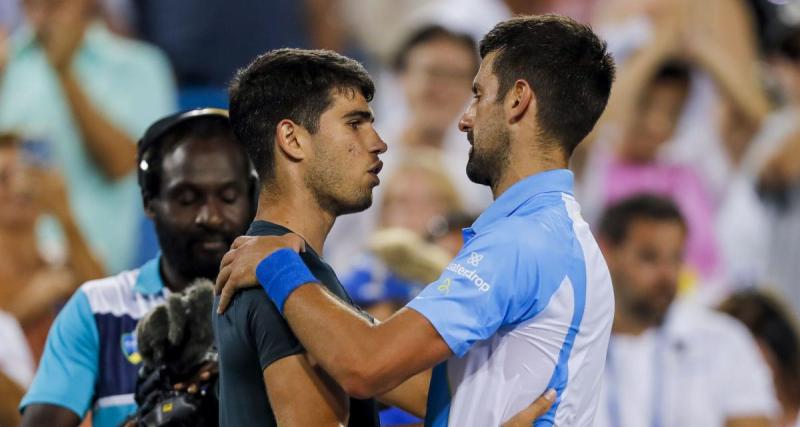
(355, 207)
(477, 176)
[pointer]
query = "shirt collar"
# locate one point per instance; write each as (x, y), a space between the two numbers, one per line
(149, 280)
(558, 180)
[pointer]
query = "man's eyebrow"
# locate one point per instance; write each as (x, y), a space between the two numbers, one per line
(365, 115)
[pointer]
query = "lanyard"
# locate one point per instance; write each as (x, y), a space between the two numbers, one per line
(613, 386)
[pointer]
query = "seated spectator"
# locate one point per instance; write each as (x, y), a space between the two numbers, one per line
(417, 195)
(31, 284)
(87, 93)
(197, 187)
(671, 363)
(16, 369)
(775, 331)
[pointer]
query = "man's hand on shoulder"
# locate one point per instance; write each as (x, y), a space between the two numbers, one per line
(238, 268)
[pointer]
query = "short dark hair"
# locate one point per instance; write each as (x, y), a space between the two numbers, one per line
(428, 33)
(295, 84)
(565, 63)
(205, 127)
(618, 217)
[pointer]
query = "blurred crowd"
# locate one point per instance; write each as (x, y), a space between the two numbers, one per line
(691, 178)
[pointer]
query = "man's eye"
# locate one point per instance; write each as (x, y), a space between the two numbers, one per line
(187, 198)
(354, 125)
(230, 195)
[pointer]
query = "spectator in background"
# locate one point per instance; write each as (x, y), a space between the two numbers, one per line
(435, 67)
(775, 174)
(416, 193)
(16, 369)
(641, 124)
(31, 286)
(671, 363)
(87, 93)
(625, 158)
(197, 186)
(400, 263)
(775, 331)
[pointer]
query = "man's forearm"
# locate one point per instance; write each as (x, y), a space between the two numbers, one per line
(81, 259)
(112, 150)
(365, 359)
(738, 81)
(10, 395)
(627, 91)
(410, 396)
(43, 414)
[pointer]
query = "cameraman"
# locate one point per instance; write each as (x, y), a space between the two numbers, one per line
(196, 184)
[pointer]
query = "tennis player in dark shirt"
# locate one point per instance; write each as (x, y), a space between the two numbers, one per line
(252, 334)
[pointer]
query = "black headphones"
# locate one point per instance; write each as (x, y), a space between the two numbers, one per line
(153, 136)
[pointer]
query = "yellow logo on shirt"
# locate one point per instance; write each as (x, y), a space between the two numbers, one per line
(130, 349)
(444, 287)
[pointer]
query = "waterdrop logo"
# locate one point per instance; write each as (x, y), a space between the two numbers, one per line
(470, 274)
(474, 259)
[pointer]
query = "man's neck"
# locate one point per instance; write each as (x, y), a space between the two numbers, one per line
(298, 211)
(528, 156)
(173, 279)
(516, 172)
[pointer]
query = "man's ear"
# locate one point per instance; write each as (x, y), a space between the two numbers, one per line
(289, 138)
(520, 99)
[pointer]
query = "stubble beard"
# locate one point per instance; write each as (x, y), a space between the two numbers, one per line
(486, 165)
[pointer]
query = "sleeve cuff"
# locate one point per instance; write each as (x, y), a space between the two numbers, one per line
(458, 347)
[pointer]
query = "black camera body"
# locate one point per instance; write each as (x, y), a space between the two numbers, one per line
(162, 406)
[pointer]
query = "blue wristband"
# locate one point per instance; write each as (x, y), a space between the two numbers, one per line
(281, 273)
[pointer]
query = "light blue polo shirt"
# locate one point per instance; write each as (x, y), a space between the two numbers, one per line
(526, 305)
(91, 360)
(131, 84)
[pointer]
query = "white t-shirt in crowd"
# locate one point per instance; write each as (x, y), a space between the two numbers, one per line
(701, 368)
(16, 361)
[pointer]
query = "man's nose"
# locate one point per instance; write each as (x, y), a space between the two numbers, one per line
(210, 215)
(378, 145)
(467, 120)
